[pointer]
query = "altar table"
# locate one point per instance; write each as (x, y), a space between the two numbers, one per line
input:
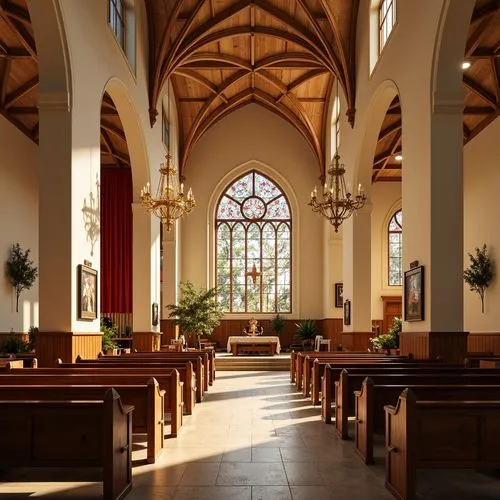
(254, 345)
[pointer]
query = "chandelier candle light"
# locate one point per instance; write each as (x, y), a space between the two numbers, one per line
(170, 203)
(337, 203)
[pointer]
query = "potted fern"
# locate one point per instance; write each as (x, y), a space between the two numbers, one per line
(480, 273)
(306, 332)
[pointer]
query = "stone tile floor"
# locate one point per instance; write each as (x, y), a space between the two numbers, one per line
(252, 438)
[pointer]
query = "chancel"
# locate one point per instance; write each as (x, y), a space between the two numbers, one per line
(117, 114)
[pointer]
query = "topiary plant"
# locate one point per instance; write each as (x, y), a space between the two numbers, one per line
(480, 273)
(20, 271)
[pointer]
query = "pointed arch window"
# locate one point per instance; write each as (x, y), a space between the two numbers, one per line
(395, 247)
(254, 247)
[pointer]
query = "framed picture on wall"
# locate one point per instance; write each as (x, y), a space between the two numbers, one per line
(339, 297)
(347, 312)
(87, 292)
(414, 294)
(154, 314)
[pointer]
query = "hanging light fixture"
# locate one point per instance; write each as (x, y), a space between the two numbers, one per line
(169, 204)
(337, 203)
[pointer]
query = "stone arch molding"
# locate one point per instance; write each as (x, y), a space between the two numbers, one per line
(134, 135)
(447, 87)
(377, 109)
(53, 54)
(283, 183)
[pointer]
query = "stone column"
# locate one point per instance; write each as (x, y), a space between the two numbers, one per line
(357, 278)
(66, 179)
(146, 278)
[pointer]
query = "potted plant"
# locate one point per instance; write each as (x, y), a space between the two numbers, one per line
(109, 332)
(277, 324)
(20, 271)
(390, 340)
(306, 332)
(198, 311)
(480, 273)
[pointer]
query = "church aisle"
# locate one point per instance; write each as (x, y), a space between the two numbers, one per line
(255, 438)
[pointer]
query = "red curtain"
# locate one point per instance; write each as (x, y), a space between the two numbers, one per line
(116, 241)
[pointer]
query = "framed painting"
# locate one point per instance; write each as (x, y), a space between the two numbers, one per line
(339, 297)
(154, 314)
(347, 312)
(414, 294)
(87, 292)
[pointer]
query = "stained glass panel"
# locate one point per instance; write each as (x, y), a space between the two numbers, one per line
(250, 201)
(395, 249)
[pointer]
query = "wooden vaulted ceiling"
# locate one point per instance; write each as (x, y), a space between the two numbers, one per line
(223, 54)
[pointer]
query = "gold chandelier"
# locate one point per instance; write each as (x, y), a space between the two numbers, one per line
(337, 203)
(170, 203)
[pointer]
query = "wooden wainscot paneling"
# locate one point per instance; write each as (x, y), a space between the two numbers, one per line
(67, 346)
(169, 329)
(356, 341)
(484, 342)
(449, 346)
(146, 341)
(332, 329)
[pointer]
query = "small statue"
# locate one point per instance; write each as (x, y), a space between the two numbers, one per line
(253, 328)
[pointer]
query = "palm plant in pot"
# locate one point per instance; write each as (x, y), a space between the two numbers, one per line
(198, 311)
(306, 332)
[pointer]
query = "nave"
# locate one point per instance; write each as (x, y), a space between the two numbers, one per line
(255, 438)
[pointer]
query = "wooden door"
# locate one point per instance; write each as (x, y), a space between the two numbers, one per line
(392, 308)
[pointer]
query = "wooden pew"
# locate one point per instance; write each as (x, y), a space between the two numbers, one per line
(169, 382)
(293, 358)
(147, 401)
(207, 356)
(71, 434)
(371, 400)
(348, 383)
(192, 389)
(305, 360)
(438, 434)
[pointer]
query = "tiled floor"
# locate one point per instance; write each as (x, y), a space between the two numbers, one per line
(255, 438)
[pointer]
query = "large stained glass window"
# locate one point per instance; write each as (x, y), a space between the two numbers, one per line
(395, 245)
(254, 247)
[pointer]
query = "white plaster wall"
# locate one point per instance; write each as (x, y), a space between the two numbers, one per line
(255, 134)
(386, 197)
(19, 222)
(481, 182)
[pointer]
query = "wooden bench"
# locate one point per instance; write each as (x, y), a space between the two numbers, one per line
(192, 389)
(305, 361)
(372, 398)
(438, 434)
(169, 382)
(348, 383)
(71, 434)
(208, 360)
(147, 401)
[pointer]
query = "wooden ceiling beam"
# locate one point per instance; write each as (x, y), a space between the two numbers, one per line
(483, 53)
(18, 27)
(479, 91)
(484, 123)
(21, 126)
(289, 60)
(113, 129)
(302, 79)
(25, 110)
(389, 130)
(5, 65)
(485, 12)
(474, 40)
(214, 60)
(21, 92)
(192, 75)
(13, 53)
(495, 69)
(109, 146)
(14, 11)
(478, 110)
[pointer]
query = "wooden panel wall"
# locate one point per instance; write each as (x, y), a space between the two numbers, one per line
(121, 320)
(65, 345)
(450, 346)
(484, 342)
(146, 341)
(356, 341)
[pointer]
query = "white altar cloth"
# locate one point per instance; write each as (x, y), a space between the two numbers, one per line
(260, 339)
